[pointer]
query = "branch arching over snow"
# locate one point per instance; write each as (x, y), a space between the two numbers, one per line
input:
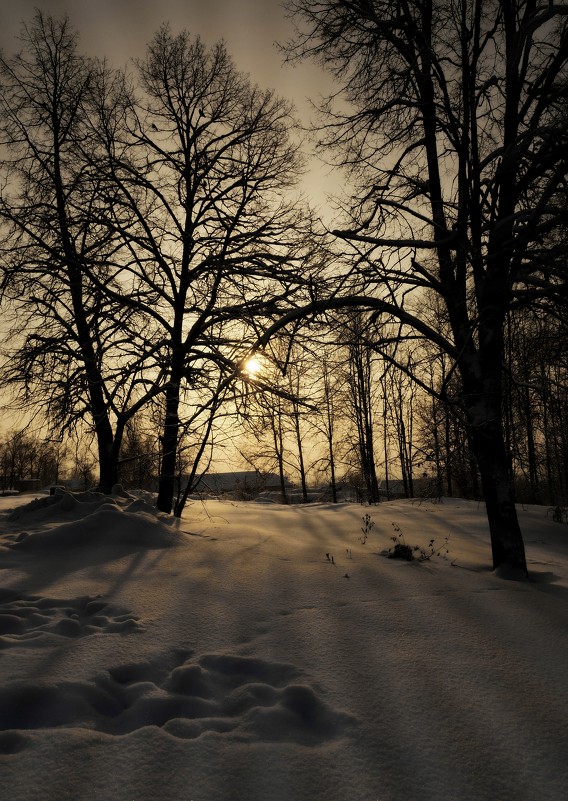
(357, 301)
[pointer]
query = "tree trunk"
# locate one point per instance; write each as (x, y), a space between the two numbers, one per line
(279, 449)
(448, 452)
(180, 504)
(437, 456)
(370, 467)
(301, 463)
(531, 449)
(333, 480)
(487, 437)
(506, 539)
(329, 430)
(108, 462)
(166, 485)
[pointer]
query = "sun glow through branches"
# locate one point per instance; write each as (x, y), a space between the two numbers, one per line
(252, 366)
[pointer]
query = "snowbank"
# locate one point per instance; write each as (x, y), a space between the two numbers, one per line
(230, 658)
(91, 518)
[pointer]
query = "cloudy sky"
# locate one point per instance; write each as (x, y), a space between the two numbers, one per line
(120, 30)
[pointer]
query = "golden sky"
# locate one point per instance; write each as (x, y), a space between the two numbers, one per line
(120, 30)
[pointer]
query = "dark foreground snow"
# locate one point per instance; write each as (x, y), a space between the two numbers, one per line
(227, 658)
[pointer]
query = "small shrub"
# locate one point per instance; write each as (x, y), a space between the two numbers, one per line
(367, 527)
(401, 549)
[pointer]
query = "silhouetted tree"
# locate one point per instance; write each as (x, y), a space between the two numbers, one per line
(452, 133)
(201, 163)
(71, 344)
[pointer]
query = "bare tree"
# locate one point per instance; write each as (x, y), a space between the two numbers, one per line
(71, 344)
(452, 133)
(360, 382)
(201, 165)
(330, 414)
(536, 406)
(147, 232)
(271, 416)
(25, 455)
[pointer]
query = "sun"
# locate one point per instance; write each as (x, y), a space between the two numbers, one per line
(253, 366)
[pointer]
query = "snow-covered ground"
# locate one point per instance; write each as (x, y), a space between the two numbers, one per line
(230, 658)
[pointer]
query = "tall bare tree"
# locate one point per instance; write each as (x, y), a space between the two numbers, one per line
(359, 376)
(450, 125)
(212, 243)
(71, 344)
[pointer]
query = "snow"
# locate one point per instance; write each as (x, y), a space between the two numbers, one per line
(224, 657)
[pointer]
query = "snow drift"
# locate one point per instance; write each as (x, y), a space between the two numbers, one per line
(228, 656)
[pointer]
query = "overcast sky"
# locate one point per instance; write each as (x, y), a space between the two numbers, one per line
(121, 29)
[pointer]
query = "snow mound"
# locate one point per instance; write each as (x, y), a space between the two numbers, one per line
(91, 518)
(76, 505)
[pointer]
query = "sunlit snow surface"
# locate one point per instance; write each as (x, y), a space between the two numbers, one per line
(229, 658)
